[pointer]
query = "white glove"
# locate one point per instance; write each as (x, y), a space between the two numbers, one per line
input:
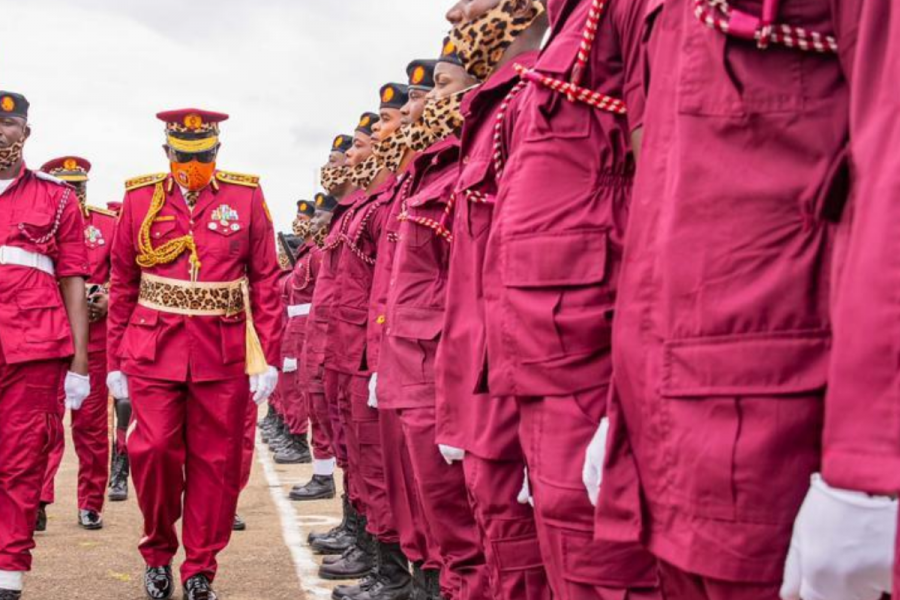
(118, 385)
(290, 365)
(843, 546)
(373, 397)
(262, 385)
(78, 387)
(451, 454)
(592, 473)
(525, 496)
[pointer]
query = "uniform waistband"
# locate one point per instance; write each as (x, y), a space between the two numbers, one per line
(11, 255)
(298, 310)
(182, 297)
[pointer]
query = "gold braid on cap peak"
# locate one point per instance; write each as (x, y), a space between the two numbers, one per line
(192, 146)
(171, 250)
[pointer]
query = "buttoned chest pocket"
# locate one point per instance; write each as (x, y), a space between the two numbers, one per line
(34, 228)
(227, 237)
(475, 199)
(425, 220)
(163, 230)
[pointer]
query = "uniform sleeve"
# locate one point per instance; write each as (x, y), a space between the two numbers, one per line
(124, 285)
(263, 273)
(862, 409)
(633, 27)
(72, 260)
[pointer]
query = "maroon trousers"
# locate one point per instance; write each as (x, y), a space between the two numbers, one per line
(507, 529)
(320, 424)
(248, 444)
(445, 504)
(296, 409)
(90, 436)
(406, 506)
(554, 434)
(365, 460)
(186, 447)
(29, 427)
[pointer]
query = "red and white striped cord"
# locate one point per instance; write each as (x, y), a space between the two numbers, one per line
(498, 126)
(437, 227)
(587, 40)
(370, 212)
(718, 15)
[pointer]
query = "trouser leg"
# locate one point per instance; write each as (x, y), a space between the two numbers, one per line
(56, 451)
(90, 436)
(248, 444)
(681, 585)
(216, 422)
(29, 427)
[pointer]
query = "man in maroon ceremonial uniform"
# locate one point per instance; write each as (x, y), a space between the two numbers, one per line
(473, 425)
(194, 310)
(43, 333)
(552, 265)
(90, 424)
(722, 331)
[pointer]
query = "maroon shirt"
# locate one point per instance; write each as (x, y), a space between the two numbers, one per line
(34, 324)
(99, 231)
(555, 251)
(300, 286)
(722, 328)
(416, 296)
(467, 417)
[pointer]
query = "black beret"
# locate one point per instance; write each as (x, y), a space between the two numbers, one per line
(421, 74)
(449, 54)
(305, 207)
(342, 143)
(394, 95)
(13, 105)
(366, 121)
(325, 203)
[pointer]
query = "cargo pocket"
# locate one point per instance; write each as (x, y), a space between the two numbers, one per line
(42, 320)
(141, 336)
(473, 179)
(418, 331)
(742, 417)
(233, 335)
(555, 286)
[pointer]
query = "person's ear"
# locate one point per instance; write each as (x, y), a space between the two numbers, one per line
(27, 133)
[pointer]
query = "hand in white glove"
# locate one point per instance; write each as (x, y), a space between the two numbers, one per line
(525, 496)
(451, 454)
(118, 385)
(262, 385)
(592, 473)
(373, 396)
(78, 387)
(290, 365)
(843, 546)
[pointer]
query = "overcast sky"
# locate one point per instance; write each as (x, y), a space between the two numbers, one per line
(291, 73)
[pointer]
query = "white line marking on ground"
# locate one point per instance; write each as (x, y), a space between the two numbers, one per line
(304, 563)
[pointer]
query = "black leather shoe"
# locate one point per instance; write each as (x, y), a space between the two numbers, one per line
(320, 487)
(345, 592)
(239, 524)
(158, 583)
(336, 544)
(198, 588)
(41, 524)
(118, 478)
(355, 564)
(90, 520)
(10, 595)
(294, 452)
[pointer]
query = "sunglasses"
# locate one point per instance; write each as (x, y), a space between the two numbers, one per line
(201, 157)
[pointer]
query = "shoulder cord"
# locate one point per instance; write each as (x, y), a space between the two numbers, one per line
(438, 227)
(718, 15)
(149, 256)
(370, 212)
(57, 220)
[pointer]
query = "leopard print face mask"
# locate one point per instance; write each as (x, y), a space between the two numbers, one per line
(441, 119)
(334, 177)
(11, 154)
(362, 174)
(482, 42)
(301, 227)
(390, 152)
(320, 236)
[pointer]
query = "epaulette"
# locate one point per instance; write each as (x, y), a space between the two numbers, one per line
(103, 211)
(50, 178)
(251, 181)
(144, 181)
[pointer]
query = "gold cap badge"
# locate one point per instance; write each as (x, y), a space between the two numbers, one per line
(7, 104)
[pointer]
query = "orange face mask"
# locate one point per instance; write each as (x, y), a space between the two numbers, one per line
(193, 176)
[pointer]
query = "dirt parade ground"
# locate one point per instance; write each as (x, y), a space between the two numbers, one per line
(268, 561)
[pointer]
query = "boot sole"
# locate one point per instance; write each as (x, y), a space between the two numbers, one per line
(117, 497)
(302, 461)
(343, 576)
(328, 551)
(324, 496)
(91, 527)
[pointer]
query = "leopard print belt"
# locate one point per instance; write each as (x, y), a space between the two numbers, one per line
(204, 299)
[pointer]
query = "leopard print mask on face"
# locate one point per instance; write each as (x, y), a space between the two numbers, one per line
(441, 119)
(301, 227)
(11, 154)
(362, 174)
(390, 152)
(320, 236)
(334, 177)
(481, 43)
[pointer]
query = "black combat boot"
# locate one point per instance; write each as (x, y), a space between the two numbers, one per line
(294, 452)
(199, 588)
(320, 487)
(41, 523)
(356, 562)
(419, 585)
(10, 594)
(158, 583)
(266, 421)
(90, 520)
(342, 592)
(280, 436)
(269, 430)
(342, 539)
(118, 477)
(347, 509)
(392, 579)
(239, 524)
